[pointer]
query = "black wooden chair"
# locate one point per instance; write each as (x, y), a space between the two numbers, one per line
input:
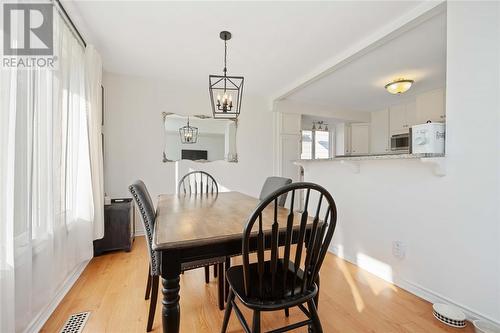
(281, 283)
(202, 183)
(148, 215)
(197, 182)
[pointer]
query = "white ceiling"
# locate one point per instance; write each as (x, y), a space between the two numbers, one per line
(273, 44)
(419, 54)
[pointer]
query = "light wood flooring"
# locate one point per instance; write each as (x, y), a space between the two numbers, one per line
(351, 300)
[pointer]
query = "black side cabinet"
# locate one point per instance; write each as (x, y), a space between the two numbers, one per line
(119, 227)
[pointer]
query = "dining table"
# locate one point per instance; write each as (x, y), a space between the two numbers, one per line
(189, 228)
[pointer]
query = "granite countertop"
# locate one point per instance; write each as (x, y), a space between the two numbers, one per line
(383, 156)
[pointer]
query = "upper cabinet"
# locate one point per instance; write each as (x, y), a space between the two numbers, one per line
(379, 134)
(402, 117)
(360, 138)
(431, 106)
(342, 139)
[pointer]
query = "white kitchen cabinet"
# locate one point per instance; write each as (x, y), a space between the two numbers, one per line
(411, 115)
(402, 117)
(379, 132)
(342, 139)
(431, 106)
(360, 138)
(397, 119)
(289, 144)
(290, 151)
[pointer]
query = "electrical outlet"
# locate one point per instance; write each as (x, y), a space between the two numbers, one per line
(398, 249)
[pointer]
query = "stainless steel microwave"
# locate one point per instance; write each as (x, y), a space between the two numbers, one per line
(400, 142)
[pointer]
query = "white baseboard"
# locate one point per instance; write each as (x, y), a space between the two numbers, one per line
(139, 232)
(38, 322)
(434, 297)
(417, 290)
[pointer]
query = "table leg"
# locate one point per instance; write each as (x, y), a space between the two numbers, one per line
(226, 284)
(220, 285)
(170, 279)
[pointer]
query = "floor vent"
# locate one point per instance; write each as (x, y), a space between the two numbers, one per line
(75, 323)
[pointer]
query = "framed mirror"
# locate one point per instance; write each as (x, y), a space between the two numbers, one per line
(199, 138)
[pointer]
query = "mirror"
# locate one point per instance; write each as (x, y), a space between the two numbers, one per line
(199, 138)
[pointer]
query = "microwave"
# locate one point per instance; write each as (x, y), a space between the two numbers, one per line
(400, 142)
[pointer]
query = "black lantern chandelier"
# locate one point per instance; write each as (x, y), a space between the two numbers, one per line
(189, 134)
(225, 91)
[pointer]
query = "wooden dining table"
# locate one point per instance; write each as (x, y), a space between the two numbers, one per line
(200, 227)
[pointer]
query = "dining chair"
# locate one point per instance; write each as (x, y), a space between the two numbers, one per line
(272, 184)
(289, 281)
(202, 183)
(192, 183)
(148, 215)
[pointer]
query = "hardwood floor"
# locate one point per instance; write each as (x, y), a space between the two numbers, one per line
(352, 300)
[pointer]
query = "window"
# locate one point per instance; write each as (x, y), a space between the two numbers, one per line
(306, 145)
(316, 144)
(321, 144)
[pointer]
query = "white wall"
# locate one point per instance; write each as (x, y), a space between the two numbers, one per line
(450, 224)
(314, 110)
(134, 138)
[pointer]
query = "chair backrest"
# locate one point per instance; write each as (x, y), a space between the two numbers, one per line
(197, 182)
(272, 184)
(314, 234)
(148, 215)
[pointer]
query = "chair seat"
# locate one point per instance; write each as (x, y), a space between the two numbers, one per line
(283, 297)
(202, 263)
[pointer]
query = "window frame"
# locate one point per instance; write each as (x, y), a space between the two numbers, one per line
(331, 144)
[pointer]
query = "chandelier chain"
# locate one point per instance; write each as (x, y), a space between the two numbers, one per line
(225, 64)
(225, 56)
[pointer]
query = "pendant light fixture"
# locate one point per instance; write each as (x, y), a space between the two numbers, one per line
(189, 134)
(320, 126)
(225, 91)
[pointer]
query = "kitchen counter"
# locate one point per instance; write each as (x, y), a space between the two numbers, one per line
(387, 156)
(437, 160)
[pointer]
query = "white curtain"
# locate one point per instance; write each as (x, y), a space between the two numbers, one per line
(46, 203)
(93, 82)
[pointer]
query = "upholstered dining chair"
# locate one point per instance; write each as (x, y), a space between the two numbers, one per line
(148, 214)
(204, 184)
(272, 184)
(289, 281)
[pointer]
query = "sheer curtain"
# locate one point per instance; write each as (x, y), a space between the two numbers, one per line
(46, 203)
(93, 80)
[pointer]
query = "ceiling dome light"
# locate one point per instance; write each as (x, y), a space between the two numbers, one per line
(399, 86)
